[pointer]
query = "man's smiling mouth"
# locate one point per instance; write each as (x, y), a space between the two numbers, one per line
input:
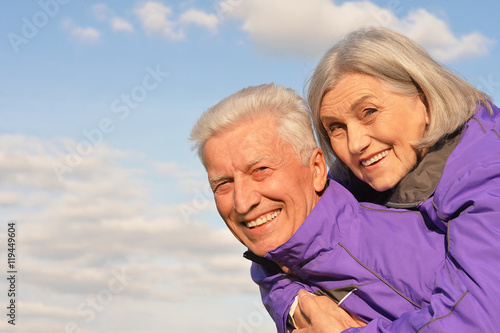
(263, 219)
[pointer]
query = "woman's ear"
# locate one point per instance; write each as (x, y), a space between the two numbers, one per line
(427, 111)
(317, 164)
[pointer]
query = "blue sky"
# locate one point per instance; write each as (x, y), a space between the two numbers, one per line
(117, 231)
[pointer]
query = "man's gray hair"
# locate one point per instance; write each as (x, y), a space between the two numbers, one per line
(288, 109)
(405, 68)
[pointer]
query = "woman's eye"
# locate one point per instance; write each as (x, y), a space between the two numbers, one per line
(334, 128)
(370, 111)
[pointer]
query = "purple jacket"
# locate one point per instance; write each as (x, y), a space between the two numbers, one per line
(379, 261)
(460, 196)
(466, 206)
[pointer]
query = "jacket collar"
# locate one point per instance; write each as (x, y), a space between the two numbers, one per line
(419, 184)
(318, 233)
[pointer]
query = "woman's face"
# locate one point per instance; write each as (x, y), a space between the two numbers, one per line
(371, 129)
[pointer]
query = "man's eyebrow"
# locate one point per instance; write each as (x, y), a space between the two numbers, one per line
(259, 159)
(249, 165)
(217, 179)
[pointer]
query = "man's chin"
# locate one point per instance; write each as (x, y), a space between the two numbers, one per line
(261, 251)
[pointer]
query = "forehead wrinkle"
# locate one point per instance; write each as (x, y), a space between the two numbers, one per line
(248, 166)
(352, 107)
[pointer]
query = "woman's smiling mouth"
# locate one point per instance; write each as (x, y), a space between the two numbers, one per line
(375, 158)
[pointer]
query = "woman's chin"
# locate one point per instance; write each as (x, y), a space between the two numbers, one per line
(381, 185)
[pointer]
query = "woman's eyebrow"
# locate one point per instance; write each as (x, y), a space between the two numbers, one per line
(359, 101)
(328, 119)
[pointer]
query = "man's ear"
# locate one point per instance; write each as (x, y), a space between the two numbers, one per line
(317, 164)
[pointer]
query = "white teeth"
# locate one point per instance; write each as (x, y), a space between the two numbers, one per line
(263, 219)
(375, 158)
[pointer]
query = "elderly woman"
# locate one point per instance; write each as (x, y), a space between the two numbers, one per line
(403, 131)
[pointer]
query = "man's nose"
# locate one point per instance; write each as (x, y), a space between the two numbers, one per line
(358, 139)
(246, 196)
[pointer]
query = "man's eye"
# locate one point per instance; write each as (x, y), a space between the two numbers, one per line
(261, 173)
(220, 186)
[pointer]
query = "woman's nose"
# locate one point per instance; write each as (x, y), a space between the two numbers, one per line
(358, 139)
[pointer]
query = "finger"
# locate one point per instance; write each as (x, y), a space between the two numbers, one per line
(301, 330)
(300, 319)
(307, 303)
(322, 308)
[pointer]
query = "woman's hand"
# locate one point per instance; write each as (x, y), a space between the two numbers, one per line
(320, 314)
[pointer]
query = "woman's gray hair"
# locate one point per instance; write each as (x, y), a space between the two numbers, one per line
(289, 110)
(405, 68)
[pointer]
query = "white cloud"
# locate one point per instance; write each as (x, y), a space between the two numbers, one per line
(119, 24)
(436, 36)
(44, 309)
(308, 28)
(175, 170)
(9, 198)
(197, 17)
(102, 218)
(101, 11)
(84, 34)
(155, 20)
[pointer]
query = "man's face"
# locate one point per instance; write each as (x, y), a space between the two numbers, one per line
(261, 188)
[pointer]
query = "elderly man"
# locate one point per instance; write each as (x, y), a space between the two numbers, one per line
(303, 231)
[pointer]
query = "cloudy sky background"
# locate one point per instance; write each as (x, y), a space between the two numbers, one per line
(116, 229)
